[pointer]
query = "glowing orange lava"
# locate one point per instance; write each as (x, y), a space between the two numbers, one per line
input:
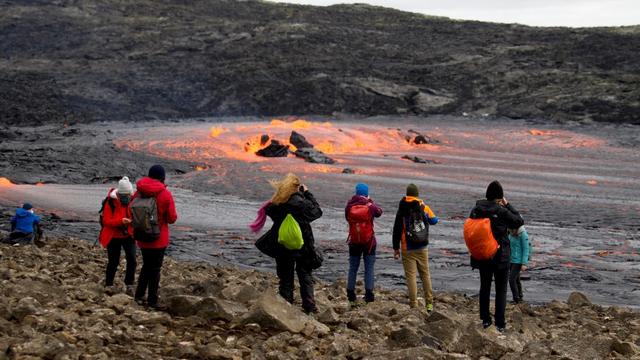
(4, 182)
(217, 131)
(592, 182)
(536, 132)
(39, 184)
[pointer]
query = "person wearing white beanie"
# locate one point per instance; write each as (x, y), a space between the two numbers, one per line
(124, 186)
(116, 233)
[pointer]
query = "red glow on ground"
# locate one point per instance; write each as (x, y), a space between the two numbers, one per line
(4, 182)
(39, 184)
(592, 182)
(536, 132)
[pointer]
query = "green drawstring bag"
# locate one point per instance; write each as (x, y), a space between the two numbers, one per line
(290, 234)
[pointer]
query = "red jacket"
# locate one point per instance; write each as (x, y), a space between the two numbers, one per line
(166, 210)
(112, 220)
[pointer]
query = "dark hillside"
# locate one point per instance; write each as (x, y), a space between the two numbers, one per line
(114, 59)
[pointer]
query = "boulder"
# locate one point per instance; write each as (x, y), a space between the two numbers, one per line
(275, 149)
(214, 308)
(312, 155)
(578, 299)
(624, 348)
(405, 337)
(348, 171)
(421, 352)
(26, 306)
(272, 311)
(329, 317)
(244, 293)
(118, 302)
(299, 141)
(183, 305)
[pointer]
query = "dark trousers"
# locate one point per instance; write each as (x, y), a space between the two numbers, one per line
(285, 269)
(514, 282)
(487, 275)
(113, 253)
(150, 275)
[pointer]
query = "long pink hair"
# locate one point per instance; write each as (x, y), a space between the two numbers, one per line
(284, 188)
(261, 219)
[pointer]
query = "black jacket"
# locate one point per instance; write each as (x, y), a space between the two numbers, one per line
(305, 209)
(502, 218)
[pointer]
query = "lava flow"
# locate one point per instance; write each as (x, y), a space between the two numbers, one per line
(242, 141)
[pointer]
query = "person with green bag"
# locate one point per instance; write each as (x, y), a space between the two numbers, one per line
(290, 240)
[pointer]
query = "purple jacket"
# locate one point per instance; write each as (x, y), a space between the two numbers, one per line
(375, 209)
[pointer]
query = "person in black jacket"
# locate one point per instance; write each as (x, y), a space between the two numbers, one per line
(502, 216)
(291, 197)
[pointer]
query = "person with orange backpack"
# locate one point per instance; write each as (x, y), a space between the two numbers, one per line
(411, 233)
(116, 233)
(360, 212)
(486, 236)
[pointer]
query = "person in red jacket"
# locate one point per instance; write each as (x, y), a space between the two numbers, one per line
(153, 252)
(116, 233)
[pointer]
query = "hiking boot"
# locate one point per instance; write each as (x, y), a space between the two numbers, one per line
(309, 311)
(351, 295)
(429, 307)
(110, 290)
(501, 330)
(139, 301)
(131, 289)
(486, 324)
(369, 297)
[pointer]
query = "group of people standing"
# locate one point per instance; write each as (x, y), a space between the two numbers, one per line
(410, 244)
(141, 218)
(119, 233)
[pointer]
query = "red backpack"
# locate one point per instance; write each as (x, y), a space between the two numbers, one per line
(360, 225)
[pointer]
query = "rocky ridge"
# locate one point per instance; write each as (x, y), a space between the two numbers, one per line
(67, 61)
(55, 308)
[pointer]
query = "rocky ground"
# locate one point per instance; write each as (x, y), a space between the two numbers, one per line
(67, 61)
(54, 307)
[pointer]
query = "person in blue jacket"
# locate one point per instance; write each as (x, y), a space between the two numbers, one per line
(24, 224)
(519, 241)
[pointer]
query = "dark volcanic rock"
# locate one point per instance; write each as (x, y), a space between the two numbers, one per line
(107, 59)
(275, 149)
(299, 141)
(314, 156)
(264, 139)
(420, 160)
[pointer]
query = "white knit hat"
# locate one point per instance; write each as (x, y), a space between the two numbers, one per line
(124, 186)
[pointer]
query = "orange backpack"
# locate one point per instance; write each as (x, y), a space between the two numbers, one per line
(479, 239)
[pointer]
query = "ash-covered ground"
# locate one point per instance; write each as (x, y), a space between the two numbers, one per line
(576, 186)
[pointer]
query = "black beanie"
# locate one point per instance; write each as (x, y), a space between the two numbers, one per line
(157, 172)
(412, 190)
(494, 191)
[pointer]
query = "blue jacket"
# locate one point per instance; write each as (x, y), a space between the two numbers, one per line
(23, 221)
(519, 248)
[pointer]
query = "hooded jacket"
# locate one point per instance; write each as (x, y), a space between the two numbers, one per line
(305, 209)
(406, 204)
(23, 221)
(502, 218)
(148, 187)
(520, 247)
(112, 216)
(374, 209)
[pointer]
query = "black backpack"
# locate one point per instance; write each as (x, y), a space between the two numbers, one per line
(105, 201)
(416, 228)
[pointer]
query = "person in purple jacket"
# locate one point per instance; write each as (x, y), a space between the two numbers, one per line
(360, 212)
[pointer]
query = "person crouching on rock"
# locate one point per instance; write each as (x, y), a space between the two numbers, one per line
(291, 204)
(360, 212)
(519, 241)
(502, 216)
(25, 226)
(117, 233)
(411, 233)
(152, 200)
